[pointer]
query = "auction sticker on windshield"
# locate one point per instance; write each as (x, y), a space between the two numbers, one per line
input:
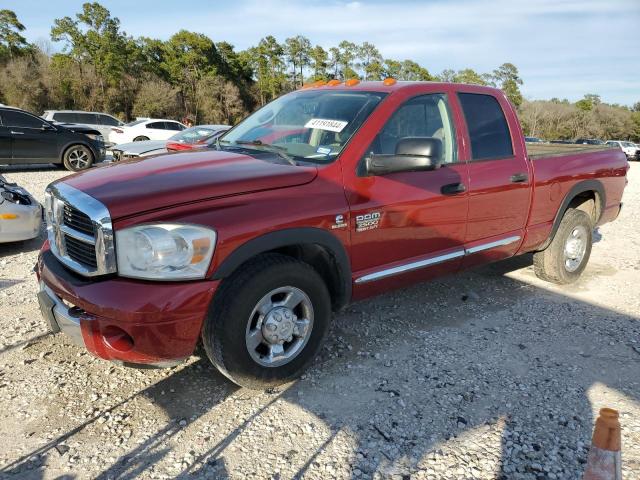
(325, 124)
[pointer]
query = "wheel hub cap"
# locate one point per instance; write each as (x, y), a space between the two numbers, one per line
(278, 325)
(575, 248)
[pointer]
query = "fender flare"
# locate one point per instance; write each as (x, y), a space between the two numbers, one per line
(577, 189)
(290, 237)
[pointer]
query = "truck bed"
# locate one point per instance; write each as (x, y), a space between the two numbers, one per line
(538, 150)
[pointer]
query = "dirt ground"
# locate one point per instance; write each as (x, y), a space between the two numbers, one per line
(488, 374)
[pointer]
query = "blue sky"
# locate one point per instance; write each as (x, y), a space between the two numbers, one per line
(563, 48)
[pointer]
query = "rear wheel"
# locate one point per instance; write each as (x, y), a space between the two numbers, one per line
(77, 158)
(566, 257)
(141, 138)
(267, 321)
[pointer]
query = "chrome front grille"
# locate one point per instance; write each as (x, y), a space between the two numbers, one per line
(79, 230)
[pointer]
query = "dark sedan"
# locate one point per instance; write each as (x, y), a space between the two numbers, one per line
(26, 138)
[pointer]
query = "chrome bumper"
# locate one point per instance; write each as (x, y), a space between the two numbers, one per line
(59, 316)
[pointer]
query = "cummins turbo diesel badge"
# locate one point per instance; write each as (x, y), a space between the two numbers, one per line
(368, 221)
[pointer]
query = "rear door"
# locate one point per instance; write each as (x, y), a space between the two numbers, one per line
(409, 226)
(499, 180)
(30, 142)
(157, 131)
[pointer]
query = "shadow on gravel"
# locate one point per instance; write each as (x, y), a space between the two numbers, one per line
(492, 354)
(14, 248)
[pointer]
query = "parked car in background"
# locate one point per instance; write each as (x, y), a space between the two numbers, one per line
(589, 141)
(20, 213)
(103, 122)
(26, 138)
(145, 129)
(194, 137)
(533, 140)
(630, 149)
(563, 142)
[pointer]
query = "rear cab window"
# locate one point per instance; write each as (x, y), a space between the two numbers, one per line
(487, 126)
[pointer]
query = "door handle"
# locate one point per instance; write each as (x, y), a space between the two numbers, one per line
(16, 133)
(519, 178)
(453, 188)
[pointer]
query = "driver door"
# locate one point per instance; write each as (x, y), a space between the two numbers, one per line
(410, 226)
(32, 139)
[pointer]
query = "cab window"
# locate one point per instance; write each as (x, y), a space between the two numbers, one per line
(424, 116)
(487, 125)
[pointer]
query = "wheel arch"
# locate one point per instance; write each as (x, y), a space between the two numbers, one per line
(315, 246)
(577, 197)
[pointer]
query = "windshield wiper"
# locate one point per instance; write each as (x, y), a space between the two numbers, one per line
(280, 151)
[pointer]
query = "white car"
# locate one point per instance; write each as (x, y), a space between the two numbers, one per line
(20, 213)
(630, 149)
(145, 129)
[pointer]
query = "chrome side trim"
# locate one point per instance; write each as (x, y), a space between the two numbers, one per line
(497, 243)
(435, 260)
(56, 196)
(410, 266)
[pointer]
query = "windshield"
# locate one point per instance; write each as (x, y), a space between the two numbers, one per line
(628, 144)
(192, 135)
(312, 125)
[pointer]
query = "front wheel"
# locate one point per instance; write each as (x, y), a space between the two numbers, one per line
(566, 257)
(267, 321)
(77, 158)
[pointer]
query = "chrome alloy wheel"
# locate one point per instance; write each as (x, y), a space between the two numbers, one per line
(574, 248)
(78, 158)
(279, 326)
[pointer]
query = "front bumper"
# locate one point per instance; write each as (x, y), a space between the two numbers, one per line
(122, 320)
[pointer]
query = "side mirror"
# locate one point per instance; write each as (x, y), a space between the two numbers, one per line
(46, 127)
(413, 154)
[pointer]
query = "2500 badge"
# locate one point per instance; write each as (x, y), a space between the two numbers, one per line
(368, 221)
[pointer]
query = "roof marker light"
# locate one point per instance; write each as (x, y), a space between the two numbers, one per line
(333, 83)
(351, 82)
(389, 81)
(319, 83)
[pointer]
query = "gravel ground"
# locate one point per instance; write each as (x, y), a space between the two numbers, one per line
(488, 374)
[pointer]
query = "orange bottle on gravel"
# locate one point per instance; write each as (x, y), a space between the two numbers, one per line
(605, 462)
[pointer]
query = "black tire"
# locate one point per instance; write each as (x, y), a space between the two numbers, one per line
(77, 158)
(551, 263)
(141, 138)
(225, 328)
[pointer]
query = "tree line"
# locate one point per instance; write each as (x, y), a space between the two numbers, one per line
(102, 68)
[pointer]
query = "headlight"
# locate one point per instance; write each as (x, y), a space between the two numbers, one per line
(165, 251)
(95, 136)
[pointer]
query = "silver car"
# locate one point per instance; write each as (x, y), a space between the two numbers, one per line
(20, 213)
(192, 138)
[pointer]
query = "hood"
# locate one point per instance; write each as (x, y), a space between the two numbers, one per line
(77, 128)
(140, 147)
(138, 186)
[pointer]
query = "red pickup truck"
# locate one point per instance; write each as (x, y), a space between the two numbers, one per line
(324, 196)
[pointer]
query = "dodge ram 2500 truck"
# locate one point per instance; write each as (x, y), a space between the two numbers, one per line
(324, 196)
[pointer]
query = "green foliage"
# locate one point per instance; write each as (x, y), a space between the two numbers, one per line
(103, 68)
(156, 98)
(12, 43)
